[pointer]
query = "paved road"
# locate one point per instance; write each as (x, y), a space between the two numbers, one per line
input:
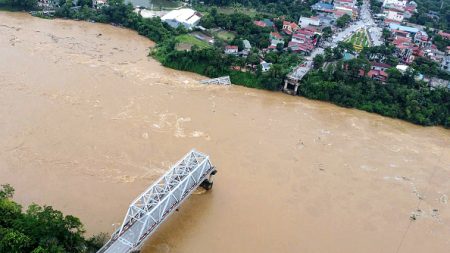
(373, 29)
(365, 21)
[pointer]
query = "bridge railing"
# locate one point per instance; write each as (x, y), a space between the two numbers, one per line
(155, 204)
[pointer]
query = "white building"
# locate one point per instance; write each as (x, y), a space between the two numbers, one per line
(99, 3)
(265, 66)
(397, 3)
(231, 50)
(446, 63)
(247, 44)
(145, 13)
(187, 17)
(402, 68)
(313, 21)
(393, 15)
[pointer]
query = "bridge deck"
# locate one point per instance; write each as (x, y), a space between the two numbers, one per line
(152, 207)
(223, 80)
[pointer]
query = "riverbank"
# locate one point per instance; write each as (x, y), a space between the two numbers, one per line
(87, 122)
(402, 97)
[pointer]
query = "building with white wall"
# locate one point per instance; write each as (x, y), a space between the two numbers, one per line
(189, 18)
(395, 2)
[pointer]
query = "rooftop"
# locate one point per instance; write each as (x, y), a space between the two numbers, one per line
(189, 16)
(409, 29)
(231, 47)
(444, 34)
(348, 56)
(322, 6)
(276, 35)
(260, 23)
(380, 64)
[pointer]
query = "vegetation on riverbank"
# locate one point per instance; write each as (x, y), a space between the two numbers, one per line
(290, 9)
(18, 5)
(400, 97)
(433, 14)
(212, 62)
(403, 96)
(41, 229)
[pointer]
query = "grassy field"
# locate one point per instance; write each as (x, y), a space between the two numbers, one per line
(226, 36)
(359, 40)
(187, 40)
(229, 10)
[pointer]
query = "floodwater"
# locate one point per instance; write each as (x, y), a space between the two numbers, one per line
(87, 122)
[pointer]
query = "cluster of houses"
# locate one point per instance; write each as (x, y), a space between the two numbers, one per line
(412, 42)
(377, 71)
(332, 10)
(234, 50)
(395, 11)
(303, 36)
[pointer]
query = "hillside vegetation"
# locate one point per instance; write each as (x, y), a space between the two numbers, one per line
(41, 229)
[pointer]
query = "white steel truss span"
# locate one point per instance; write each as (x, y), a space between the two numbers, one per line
(153, 206)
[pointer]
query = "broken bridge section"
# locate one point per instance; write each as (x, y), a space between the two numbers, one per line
(223, 80)
(149, 210)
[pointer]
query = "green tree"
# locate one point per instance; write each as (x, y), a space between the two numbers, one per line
(21, 4)
(386, 34)
(318, 61)
(40, 229)
(327, 32)
(280, 47)
(343, 21)
(13, 241)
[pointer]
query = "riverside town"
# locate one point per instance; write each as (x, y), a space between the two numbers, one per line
(224, 126)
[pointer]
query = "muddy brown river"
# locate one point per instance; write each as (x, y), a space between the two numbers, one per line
(87, 122)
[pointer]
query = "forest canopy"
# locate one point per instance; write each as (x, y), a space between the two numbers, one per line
(41, 229)
(432, 13)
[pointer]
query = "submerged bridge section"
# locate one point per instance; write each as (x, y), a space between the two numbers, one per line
(147, 212)
(223, 80)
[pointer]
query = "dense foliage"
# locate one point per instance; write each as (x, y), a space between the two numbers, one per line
(429, 68)
(212, 62)
(343, 21)
(117, 12)
(340, 82)
(19, 4)
(401, 96)
(40, 229)
(375, 6)
(291, 9)
(441, 43)
(240, 23)
(433, 13)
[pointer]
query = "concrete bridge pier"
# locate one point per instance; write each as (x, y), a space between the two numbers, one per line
(207, 184)
(291, 86)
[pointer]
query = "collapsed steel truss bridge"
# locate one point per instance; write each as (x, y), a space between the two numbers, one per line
(149, 210)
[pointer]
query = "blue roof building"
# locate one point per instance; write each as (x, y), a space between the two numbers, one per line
(268, 22)
(409, 29)
(320, 6)
(348, 56)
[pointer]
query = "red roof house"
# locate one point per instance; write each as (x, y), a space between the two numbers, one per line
(289, 27)
(260, 23)
(445, 35)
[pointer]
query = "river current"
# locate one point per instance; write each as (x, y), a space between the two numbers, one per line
(88, 121)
